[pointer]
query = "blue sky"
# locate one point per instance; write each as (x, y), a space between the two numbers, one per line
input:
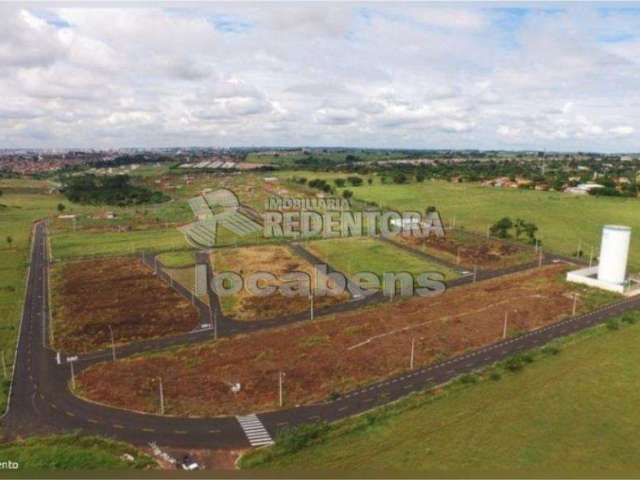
(463, 75)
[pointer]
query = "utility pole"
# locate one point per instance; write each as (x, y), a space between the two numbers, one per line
(161, 396)
(280, 387)
(413, 353)
(213, 321)
(73, 376)
(504, 329)
(113, 344)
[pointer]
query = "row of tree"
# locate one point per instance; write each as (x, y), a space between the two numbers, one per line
(506, 228)
(109, 190)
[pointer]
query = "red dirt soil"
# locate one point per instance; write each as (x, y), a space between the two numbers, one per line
(120, 292)
(335, 354)
(473, 249)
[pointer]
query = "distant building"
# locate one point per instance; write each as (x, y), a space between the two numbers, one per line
(583, 188)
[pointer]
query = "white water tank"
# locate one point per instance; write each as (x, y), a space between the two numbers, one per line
(614, 251)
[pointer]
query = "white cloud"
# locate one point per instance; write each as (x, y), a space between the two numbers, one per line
(622, 131)
(406, 75)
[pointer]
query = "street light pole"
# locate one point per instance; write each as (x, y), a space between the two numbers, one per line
(113, 343)
(213, 321)
(504, 329)
(73, 376)
(280, 387)
(161, 396)
(413, 352)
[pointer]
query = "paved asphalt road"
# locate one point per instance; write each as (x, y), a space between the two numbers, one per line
(41, 402)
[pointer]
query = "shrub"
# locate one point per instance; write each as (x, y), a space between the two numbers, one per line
(551, 350)
(468, 378)
(514, 364)
(629, 318)
(613, 324)
(495, 376)
(293, 439)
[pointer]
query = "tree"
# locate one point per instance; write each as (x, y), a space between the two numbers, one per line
(420, 177)
(9, 240)
(369, 180)
(61, 207)
(520, 226)
(340, 182)
(355, 181)
(501, 228)
(531, 229)
(400, 178)
(347, 194)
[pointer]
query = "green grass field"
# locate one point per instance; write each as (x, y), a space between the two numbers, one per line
(72, 452)
(178, 259)
(70, 245)
(352, 255)
(24, 201)
(16, 219)
(567, 414)
(564, 220)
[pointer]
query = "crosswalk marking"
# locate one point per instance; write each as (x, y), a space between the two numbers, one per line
(254, 430)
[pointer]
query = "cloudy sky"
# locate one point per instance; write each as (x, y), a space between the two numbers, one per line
(416, 75)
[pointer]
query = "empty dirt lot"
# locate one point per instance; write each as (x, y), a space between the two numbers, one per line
(277, 260)
(332, 355)
(90, 296)
(469, 250)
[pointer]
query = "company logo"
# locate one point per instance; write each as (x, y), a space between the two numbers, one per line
(211, 209)
(293, 218)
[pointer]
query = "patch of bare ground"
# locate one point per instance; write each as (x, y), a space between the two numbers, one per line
(278, 261)
(121, 293)
(469, 250)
